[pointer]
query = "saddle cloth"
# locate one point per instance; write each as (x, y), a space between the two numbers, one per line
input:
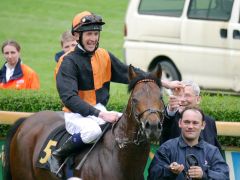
(56, 138)
(54, 141)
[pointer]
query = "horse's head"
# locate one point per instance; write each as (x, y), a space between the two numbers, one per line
(145, 105)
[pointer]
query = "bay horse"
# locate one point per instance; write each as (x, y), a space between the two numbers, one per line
(121, 154)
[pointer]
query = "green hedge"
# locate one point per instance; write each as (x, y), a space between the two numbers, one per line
(224, 108)
(28, 101)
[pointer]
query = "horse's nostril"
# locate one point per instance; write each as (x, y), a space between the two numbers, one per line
(147, 125)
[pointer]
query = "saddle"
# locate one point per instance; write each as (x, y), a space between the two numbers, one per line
(55, 139)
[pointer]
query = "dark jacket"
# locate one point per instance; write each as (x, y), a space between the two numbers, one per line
(23, 78)
(171, 130)
(58, 55)
(176, 150)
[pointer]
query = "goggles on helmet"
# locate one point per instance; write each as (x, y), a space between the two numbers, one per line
(90, 23)
(90, 19)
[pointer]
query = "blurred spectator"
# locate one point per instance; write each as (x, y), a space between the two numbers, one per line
(67, 41)
(14, 74)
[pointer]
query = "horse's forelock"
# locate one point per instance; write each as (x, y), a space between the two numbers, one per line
(134, 81)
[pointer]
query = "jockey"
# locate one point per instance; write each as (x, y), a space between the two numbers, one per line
(83, 82)
(83, 79)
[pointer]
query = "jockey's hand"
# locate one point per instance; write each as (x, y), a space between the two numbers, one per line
(109, 116)
(195, 172)
(176, 168)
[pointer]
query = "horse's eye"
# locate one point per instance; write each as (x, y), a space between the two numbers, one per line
(134, 100)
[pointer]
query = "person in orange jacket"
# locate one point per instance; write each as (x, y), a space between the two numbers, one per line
(14, 74)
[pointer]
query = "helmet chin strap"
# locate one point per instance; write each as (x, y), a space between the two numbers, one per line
(80, 42)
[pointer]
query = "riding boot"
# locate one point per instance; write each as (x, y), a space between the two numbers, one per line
(72, 145)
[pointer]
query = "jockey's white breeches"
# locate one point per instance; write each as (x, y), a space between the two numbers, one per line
(88, 127)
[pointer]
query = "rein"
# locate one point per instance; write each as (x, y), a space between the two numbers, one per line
(140, 134)
(123, 142)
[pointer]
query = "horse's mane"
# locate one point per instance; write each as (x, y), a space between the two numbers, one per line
(142, 76)
(10, 134)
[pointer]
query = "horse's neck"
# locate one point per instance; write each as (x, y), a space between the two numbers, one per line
(128, 154)
(126, 128)
(128, 161)
(126, 134)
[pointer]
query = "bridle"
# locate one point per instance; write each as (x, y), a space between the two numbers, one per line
(140, 134)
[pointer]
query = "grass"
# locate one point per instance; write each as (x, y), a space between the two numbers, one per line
(38, 24)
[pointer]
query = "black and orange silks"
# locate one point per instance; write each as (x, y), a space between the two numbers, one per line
(83, 79)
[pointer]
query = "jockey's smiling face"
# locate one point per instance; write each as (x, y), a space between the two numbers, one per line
(90, 40)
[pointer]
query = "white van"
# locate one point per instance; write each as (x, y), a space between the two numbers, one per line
(192, 39)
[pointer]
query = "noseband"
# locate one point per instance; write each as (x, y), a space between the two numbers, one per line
(140, 134)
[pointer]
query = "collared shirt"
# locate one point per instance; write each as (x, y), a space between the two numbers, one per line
(170, 113)
(9, 71)
(176, 150)
(80, 47)
(171, 129)
(23, 77)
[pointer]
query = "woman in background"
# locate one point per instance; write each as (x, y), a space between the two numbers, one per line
(14, 74)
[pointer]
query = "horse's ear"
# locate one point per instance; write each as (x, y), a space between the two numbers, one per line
(131, 72)
(157, 72)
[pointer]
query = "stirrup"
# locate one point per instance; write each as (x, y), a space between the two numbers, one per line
(59, 172)
(52, 165)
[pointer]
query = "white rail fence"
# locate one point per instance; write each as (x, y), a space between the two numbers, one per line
(232, 154)
(224, 128)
